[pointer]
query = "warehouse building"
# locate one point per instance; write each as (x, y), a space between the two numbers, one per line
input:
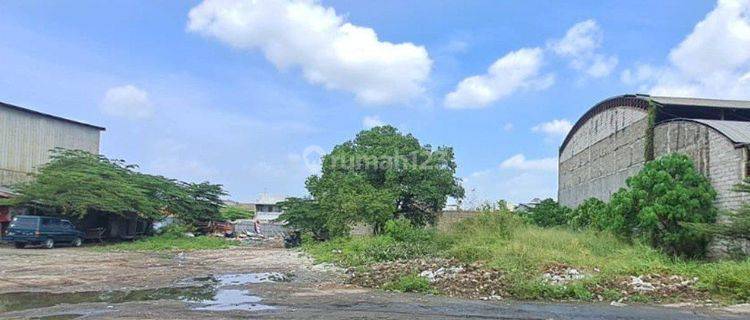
(607, 144)
(27, 136)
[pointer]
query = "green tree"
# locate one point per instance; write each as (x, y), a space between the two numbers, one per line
(548, 213)
(383, 174)
(232, 213)
(660, 204)
(305, 214)
(76, 183)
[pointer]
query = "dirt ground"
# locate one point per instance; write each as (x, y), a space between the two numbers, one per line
(30, 277)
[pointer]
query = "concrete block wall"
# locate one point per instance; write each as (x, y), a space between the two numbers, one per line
(712, 153)
(718, 159)
(601, 155)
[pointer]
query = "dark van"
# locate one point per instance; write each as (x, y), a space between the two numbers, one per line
(47, 231)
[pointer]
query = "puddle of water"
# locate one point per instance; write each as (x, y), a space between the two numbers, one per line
(248, 278)
(31, 300)
(217, 293)
(233, 299)
(227, 299)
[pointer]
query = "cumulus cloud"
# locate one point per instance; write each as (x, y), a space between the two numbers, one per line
(554, 129)
(327, 49)
(369, 122)
(517, 70)
(519, 162)
(127, 101)
(712, 61)
(580, 45)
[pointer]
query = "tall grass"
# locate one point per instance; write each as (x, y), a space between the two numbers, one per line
(523, 251)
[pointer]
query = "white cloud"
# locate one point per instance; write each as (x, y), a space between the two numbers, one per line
(128, 102)
(520, 162)
(554, 129)
(712, 61)
(507, 127)
(641, 73)
(510, 185)
(515, 71)
(581, 44)
(329, 50)
(369, 122)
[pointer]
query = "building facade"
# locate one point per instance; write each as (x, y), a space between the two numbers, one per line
(27, 136)
(608, 144)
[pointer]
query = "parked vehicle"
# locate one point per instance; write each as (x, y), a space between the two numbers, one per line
(46, 231)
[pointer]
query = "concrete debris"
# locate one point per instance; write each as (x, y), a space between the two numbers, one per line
(440, 273)
(658, 284)
(561, 274)
(450, 277)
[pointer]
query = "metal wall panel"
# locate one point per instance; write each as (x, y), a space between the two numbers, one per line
(27, 138)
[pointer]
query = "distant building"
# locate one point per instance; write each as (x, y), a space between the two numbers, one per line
(27, 136)
(526, 206)
(266, 207)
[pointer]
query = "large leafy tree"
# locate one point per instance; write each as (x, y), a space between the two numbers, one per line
(381, 175)
(76, 183)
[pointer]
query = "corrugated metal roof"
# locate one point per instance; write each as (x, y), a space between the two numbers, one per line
(10, 106)
(699, 102)
(736, 131)
(641, 101)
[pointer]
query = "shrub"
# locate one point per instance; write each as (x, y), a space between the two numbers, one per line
(548, 213)
(661, 202)
(403, 230)
(176, 230)
(591, 212)
(738, 221)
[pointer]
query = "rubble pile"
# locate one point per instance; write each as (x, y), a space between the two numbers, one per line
(450, 277)
(560, 274)
(656, 284)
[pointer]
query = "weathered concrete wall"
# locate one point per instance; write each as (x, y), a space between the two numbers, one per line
(26, 138)
(712, 153)
(447, 219)
(601, 155)
(717, 158)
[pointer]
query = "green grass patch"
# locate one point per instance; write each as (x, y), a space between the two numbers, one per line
(169, 242)
(410, 283)
(524, 251)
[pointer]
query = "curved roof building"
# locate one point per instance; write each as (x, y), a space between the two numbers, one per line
(608, 144)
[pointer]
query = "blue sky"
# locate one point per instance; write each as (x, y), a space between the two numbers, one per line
(246, 94)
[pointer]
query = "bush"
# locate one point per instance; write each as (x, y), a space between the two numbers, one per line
(403, 230)
(591, 212)
(548, 213)
(660, 204)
